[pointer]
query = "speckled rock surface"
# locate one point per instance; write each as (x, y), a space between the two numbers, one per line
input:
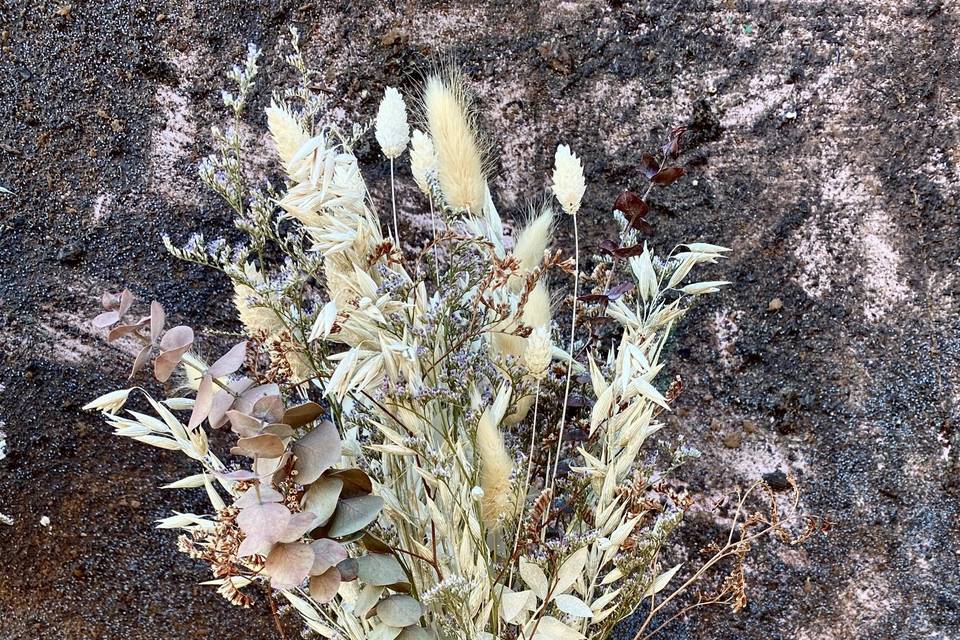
(826, 154)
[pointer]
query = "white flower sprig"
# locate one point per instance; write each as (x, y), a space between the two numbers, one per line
(392, 130)
(393, 134)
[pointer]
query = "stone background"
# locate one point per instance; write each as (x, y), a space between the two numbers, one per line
(826, 154)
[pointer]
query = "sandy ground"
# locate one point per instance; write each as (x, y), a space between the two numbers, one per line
(826, 154)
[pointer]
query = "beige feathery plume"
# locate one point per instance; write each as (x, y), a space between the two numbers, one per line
(460, 158)
(288, 135)
(532, 241)
(537, 312)
(499, 503)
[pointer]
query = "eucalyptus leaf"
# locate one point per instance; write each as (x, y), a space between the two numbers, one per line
(324, 587)
(380, 570)
(321, 499)
(399, 611)
(288, 565)
(354, 514)
(316, 452)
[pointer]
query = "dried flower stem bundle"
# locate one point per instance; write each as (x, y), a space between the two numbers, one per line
(405, 463)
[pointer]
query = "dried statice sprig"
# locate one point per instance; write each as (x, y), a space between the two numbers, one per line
(427, 454)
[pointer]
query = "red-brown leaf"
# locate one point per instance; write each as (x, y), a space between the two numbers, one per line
(631, 205)
(667, 176)
(629, 252)
(649, 165)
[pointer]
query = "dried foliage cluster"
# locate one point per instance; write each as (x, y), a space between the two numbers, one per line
(429, 453)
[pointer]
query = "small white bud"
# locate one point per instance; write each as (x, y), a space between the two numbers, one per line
(568, 181)
(477, 493)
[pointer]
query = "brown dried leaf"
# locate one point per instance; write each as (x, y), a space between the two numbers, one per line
(629, 252)
(269, 409)
(244, 425)
(123, 330)
(355, 482)
(649, 165)
(288, 565)
(141, 361)
(324, 587)
(157, 320)
(265, 445)
(667, 176)
(173, 345)
(203, 402)
(302, 414)
(223, 401)
(126, 300)
(631, 205)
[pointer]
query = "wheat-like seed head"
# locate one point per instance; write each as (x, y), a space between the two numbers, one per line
(288, 136)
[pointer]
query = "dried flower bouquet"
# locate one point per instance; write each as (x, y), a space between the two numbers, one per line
(430, 454)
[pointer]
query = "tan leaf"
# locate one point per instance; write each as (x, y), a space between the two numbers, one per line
(324, 587)
(288, 565)
(535, 578)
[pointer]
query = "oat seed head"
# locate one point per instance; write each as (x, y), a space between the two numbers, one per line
(287, 133)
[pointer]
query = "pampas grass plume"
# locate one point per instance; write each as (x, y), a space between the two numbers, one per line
(460, 158)
(532, 241)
